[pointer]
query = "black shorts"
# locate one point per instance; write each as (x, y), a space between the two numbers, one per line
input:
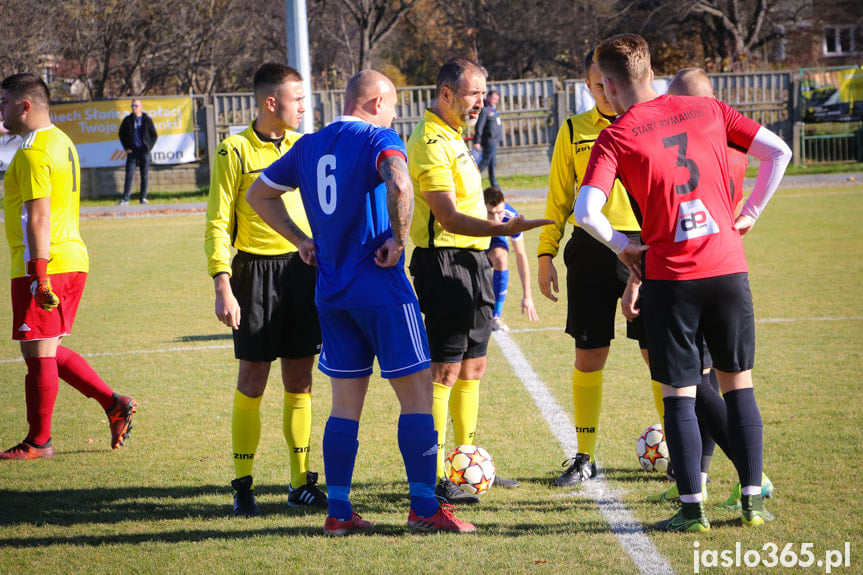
(277, 305)
(674, 313)
(595, 280)
(454, 288)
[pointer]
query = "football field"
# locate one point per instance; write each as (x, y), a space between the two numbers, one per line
(161, 504)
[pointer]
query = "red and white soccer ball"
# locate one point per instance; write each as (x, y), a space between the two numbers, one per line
(652, 450)
(471, 468)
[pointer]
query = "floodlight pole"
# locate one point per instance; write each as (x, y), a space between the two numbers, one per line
(297, 25)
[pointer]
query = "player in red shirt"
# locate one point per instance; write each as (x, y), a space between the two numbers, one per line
(670, 153)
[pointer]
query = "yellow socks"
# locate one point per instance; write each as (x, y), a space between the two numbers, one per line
(297, 427)
(245, 432)
(657, 399)
(440, 405)
(464, 410)
(587, 400)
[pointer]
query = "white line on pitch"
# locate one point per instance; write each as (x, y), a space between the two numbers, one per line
(142, 351)
(628, 531)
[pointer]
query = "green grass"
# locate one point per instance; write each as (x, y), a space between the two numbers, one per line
(161, 504)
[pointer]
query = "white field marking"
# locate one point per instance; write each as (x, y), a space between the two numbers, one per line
(141, 351)
(628, 531)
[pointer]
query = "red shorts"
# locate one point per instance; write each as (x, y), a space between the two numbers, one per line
(30, 322)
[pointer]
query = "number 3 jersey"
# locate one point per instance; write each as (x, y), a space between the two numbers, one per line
(336, 170)
(671, 155)
(45, 166)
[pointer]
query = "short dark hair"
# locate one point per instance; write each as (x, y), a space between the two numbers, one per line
(29, 86)
(588, 60)
(493, 196)
(271, 75)
(452, 73)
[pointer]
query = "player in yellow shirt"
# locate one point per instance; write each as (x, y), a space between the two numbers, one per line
(49, 266)
(452, 275)
(266, 294)
(595, 278)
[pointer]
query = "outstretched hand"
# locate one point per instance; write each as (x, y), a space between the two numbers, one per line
(519, 224)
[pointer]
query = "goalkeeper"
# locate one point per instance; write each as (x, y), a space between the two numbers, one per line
(49, 266)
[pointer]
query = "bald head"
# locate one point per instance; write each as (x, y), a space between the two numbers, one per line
(691, 82)
(371, 96)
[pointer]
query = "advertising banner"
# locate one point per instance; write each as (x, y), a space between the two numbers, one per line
(831, 94)
(94, 128)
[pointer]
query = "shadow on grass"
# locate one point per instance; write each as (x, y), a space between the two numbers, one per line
(101, 506)
(209, 337)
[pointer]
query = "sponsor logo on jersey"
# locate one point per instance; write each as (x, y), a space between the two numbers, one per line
(694, 221)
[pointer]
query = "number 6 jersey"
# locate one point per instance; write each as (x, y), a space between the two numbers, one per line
(336, 170)
(671, 154)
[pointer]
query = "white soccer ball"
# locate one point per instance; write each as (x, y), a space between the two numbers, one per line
(652, 450)
(471, 468)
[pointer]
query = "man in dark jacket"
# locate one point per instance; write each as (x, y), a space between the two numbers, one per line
(138, 136)
(488, 134)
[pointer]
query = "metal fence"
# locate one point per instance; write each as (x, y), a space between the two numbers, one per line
(531, 110)
(818, 145)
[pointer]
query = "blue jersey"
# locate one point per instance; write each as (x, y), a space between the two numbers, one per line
(509, 213)
(336, 171)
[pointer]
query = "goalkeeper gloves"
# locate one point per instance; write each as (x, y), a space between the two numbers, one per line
(40, 286)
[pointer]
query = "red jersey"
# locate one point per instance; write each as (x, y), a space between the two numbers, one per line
(736, 174)
(671, 154)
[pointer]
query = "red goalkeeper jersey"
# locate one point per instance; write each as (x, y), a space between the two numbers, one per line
(671, 154)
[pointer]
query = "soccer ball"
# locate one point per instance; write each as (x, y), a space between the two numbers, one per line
(652, 450)
(471, 468)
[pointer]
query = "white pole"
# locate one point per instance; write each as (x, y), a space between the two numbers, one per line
(297, 25)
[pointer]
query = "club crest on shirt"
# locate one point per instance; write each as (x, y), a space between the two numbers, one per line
(694, 221)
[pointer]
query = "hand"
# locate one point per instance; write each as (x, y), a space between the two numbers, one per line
(388, 254)
(519, 224)
(477, 146)
(228, 309)
(528, 308)
(631, 256)
(307, 251)
(629, 299)
(743, 224)
(547, 278)
(40, 285)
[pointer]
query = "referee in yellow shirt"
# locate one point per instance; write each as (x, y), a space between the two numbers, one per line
(452, 275)
(595, 278)
(267, 293)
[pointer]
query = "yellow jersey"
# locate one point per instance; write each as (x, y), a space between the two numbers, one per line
(439, 161)
(568, 163)
(231, 221)
(46, 165)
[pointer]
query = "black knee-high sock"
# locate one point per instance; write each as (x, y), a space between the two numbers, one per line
(745, 433)
(684, 443)
(712, 418)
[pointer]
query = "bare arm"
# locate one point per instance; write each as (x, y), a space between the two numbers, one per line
(443, 206)
(267, 202)
(39, 227)
(527, 305)
(400, 205)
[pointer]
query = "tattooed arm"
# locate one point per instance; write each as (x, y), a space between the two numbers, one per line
(400, 205)
(267, 202)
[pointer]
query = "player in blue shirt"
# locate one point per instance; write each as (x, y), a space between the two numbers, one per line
(358, 197)
(498, 256)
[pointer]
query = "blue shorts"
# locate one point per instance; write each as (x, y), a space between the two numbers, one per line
(498, 242)
(354, 337)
